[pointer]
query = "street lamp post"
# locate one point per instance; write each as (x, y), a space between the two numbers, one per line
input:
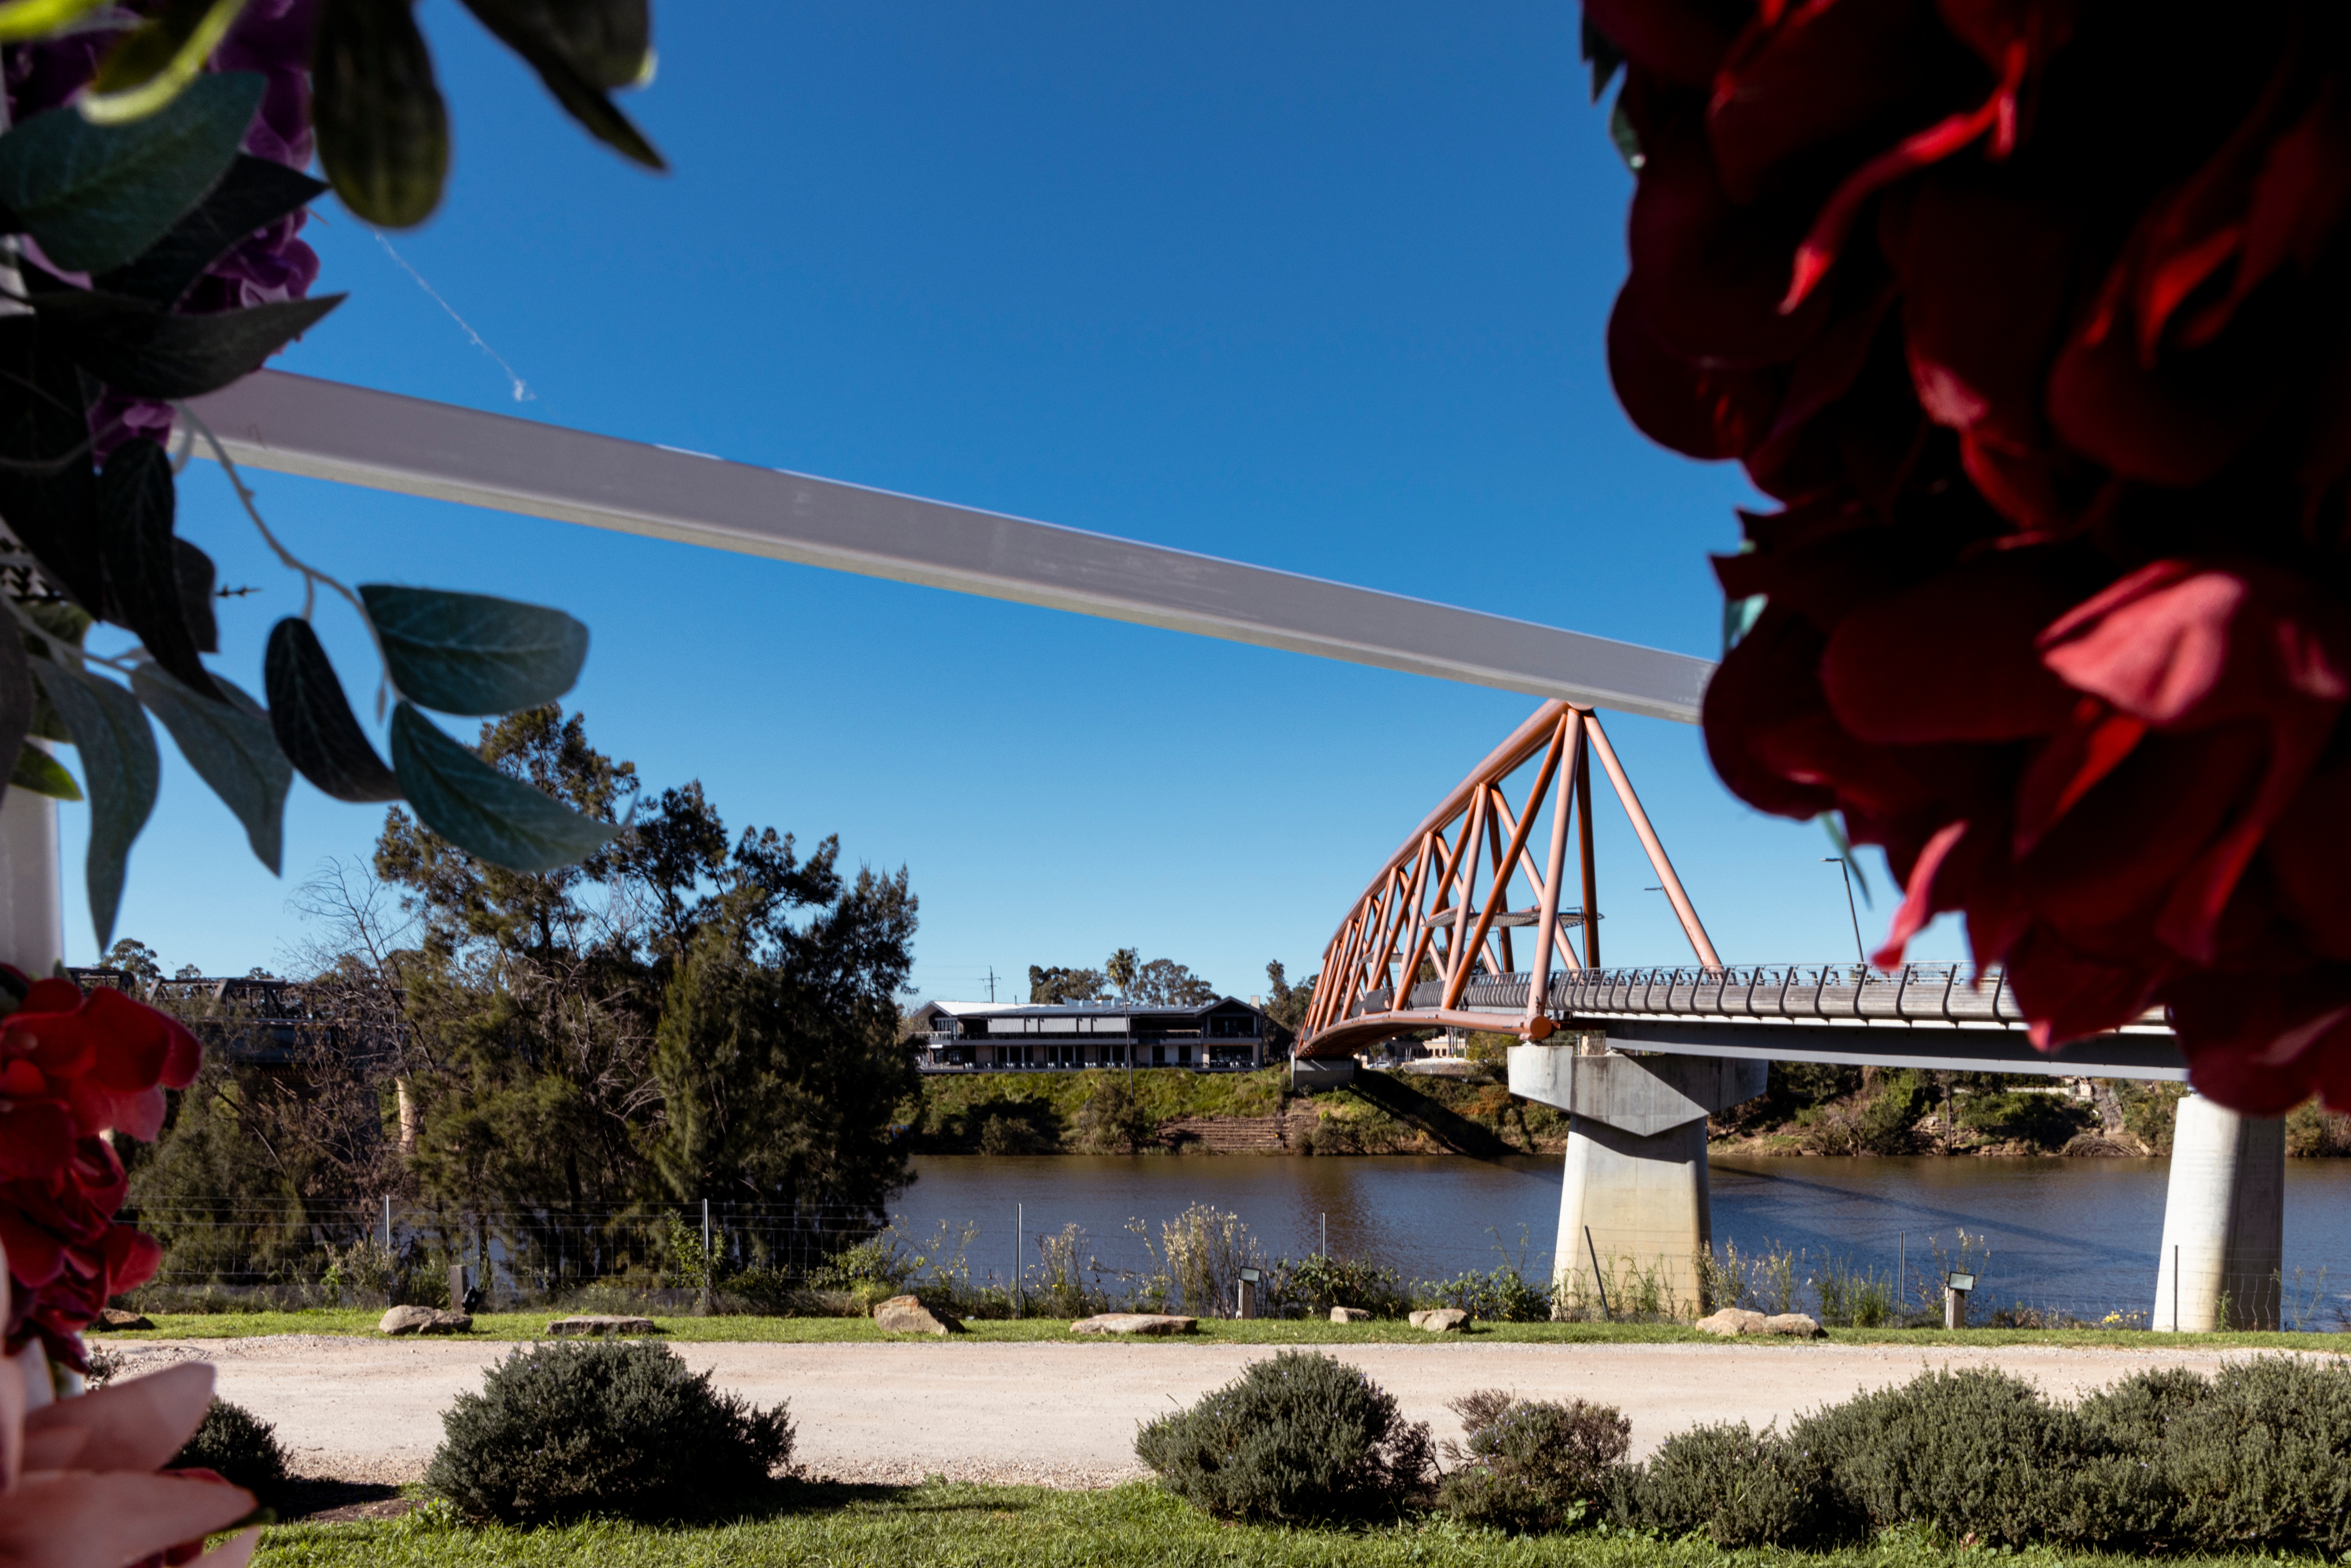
(1841, 864)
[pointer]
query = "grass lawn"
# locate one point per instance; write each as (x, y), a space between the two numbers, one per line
(517, 1326)
(1006, 1527)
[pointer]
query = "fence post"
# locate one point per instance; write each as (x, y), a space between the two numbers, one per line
(1020, 1228)
(706, 1258)
(387, 1225)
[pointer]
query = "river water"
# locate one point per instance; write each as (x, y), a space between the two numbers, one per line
(2076, 1234)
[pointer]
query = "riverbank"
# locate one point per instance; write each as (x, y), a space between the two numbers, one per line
(1808, 1110)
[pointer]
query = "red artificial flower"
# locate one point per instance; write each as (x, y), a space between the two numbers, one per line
(2033, 316)
(75, 1069)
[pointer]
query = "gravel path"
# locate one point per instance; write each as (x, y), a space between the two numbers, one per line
(1065, 1414)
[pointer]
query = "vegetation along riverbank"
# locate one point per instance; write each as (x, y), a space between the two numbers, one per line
(1468, 1109)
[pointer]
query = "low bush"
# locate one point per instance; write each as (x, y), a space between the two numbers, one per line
(238, 1446)
(2262, 1458)
(1531, 1466)
(1295, 1438)
(1501, 1295)
(1735, 1485)
(560, 1431)
(1972, 1452)
(1316, 1283)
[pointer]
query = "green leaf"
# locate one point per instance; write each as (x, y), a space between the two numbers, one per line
(1627, 140)
(1738, 617)
(119, 767)
(157, 60)
(485, 812)
(48, 492)
(531, 29)
(139, 350)
(1600, 52)
(40, 773)
(194, 571)
(253, 194)
(313, 722)
(97, 196)
(231, 747)
(135, 504)
(23, 20)
(384, 132)
(17, 699)
(609, 41)
(471, 653)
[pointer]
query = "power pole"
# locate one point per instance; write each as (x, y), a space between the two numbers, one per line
(991, 982)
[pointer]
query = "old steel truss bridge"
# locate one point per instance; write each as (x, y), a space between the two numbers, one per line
(1450, 906)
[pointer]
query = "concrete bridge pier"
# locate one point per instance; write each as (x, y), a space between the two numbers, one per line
(1634, 1214)
(2224, 1222)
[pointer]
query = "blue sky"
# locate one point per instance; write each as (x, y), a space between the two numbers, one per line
(1318, 286)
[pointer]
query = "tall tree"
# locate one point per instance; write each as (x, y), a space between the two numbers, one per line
(1058, 987)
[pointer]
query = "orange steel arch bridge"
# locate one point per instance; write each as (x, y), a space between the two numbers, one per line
(1451, 907)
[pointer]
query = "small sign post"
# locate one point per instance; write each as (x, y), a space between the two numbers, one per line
(1245, 1294)
(1956, 1286)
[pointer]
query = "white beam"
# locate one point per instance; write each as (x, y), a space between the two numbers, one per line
(326, 430)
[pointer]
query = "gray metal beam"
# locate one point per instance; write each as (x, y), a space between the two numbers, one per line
(2130, 1055)
(326, 430)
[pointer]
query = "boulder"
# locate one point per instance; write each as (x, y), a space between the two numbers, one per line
(603, 1324)
(1135, 1323)
(422, 1320)
(1351, 1314)
(1441, 1320)
(1796, 1325)
(1732, 1322)
(117, 1318)
(906, 1314)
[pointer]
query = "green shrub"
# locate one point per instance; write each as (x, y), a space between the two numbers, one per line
(616, 1426)
(1738, 1487)
(1502, 1295)
(1300, 1436)
(1531, 1466)
(238, 1446)
(1318, 1283)
(2263, 1457)
(1972, 1452)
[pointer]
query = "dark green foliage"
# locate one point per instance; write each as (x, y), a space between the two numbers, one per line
(2044, 1119)
(564, 1430)
(1970, 1452)
(239, 1446)
(2264, 1457)
(1113, 1121)
(1298, 1437)
(1503, 1295)
(1319, 1283)
(1884, 1128)
(1737, 1487)
(1531, 1466)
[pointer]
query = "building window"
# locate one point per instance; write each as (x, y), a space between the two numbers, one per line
(1113, 1056)
(1158, 1056)
(1183, 1056)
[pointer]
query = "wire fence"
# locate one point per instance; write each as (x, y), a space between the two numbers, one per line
(227, 1254)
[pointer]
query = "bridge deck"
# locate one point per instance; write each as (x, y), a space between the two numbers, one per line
(1948, 1016)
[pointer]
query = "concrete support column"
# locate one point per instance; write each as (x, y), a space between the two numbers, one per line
(1635, 1215)
(2224, 1222)
(1640, 1206)
(32, 898)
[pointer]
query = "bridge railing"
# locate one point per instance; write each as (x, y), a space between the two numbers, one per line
(1915, 993)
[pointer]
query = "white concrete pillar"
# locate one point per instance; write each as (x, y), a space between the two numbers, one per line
(32, 898)
(2224, 1222)
(1635, 1215)
(1640, 1205)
